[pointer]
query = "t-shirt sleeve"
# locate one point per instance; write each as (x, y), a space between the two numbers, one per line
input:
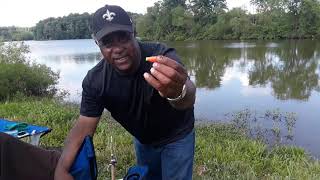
(171, 53)
(91, 102)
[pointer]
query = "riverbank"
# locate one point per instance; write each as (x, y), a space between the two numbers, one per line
(222, 151)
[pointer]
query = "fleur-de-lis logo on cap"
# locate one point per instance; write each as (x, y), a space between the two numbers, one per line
(108, 15)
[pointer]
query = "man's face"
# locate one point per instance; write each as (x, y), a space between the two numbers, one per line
(121, 50)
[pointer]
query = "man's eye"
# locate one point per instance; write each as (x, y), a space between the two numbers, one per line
(106, 43)
(123, 39)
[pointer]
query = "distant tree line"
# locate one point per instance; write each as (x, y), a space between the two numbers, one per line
(210, 19)
(73, 26)
(196, 20)
(15, 34)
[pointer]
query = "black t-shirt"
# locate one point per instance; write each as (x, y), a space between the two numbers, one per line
(135, 104)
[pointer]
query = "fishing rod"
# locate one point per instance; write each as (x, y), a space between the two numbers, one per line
(113, 160)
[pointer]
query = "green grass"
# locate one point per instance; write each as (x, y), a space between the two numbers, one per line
(222, 151)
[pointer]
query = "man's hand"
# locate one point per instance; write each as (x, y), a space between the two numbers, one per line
(167, 76)
(62, 174)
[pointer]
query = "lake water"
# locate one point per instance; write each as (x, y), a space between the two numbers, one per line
(230, 76)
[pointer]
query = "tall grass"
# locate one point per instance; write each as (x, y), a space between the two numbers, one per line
(46, 112)
(222, 150)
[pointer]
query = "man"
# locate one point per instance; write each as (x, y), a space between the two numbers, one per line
(152, 101)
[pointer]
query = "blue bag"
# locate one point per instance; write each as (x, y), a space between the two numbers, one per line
(84, 166)
(136, 173)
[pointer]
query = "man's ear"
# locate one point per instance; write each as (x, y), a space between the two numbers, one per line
(95, 39)
(134, 31)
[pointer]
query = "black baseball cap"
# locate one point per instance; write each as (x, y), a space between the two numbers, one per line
(109, 19)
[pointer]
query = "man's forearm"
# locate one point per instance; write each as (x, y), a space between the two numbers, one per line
(188, 100)
(72, 144)
(84, 126)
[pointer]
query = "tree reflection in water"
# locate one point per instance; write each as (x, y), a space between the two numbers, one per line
(291, 68)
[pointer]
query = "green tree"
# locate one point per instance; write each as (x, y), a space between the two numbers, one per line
(206, 11)
(309, 19)
(19, 76)
(269, 5)
(170, 4)
(182, 21)
(73, 26)
(15, 33)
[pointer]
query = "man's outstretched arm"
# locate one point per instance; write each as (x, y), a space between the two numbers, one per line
(84, 126)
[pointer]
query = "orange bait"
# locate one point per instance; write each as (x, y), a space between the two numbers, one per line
(152, 59)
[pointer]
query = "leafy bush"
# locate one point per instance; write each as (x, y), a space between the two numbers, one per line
(19, 76)
(22, 36)
(13, 33)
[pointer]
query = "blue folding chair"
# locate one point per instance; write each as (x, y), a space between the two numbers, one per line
(22, 129)
(84, 166)
(14, 127)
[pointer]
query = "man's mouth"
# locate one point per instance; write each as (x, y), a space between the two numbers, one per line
(121, 59)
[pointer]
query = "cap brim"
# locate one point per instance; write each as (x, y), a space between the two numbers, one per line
(115, 27)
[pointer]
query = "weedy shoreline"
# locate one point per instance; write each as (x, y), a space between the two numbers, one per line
(223, 151)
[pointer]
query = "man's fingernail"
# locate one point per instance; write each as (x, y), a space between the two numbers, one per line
(152, 70)
(146, 75)
(155, 64)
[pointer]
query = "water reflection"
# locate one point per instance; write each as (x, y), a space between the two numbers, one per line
(290, 68)
(207, 61)
(74, 58)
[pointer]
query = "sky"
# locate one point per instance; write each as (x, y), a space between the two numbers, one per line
(24, 13)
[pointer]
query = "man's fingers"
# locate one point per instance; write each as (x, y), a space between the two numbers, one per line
(171, 63)
(162, 78)
(170, 72)
(152, 81)
(164, 90)
(167, 76)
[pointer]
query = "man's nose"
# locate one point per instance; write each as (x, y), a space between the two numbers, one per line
(117, 47)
